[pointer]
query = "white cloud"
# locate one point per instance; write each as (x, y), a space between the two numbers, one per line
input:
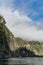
(21, 25)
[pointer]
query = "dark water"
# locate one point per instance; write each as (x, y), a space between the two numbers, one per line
(22, 61)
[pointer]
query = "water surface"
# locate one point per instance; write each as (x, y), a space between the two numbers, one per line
(22, 61)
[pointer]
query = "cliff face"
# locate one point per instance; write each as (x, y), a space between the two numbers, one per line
(7, 39)
(9, 45)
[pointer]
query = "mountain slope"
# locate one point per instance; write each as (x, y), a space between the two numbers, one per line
(9, 44)
(34, 46)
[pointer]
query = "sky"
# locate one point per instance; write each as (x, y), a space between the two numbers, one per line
(24, 18)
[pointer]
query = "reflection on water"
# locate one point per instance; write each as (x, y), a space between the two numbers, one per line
(22, 61)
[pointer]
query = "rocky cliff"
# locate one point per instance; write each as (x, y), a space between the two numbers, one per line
(9, 45)
(7, 39)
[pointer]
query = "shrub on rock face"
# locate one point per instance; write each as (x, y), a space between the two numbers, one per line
(4, 48)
